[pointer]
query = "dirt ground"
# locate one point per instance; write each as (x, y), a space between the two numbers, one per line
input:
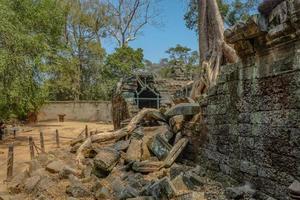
(67, 131)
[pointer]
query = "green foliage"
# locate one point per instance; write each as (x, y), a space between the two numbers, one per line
(52, 50)
(240, 10)
(232, 11)
(179, 56)
(79, 68)
(166, 72)
(124, 61)
(29, 36)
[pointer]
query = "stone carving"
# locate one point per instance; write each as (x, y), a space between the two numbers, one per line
(277, 26)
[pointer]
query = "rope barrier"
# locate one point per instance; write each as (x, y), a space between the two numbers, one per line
(81, 133)
(64, 137)
(9, 162)
(37, 148)
(17, 162)
(23, 145)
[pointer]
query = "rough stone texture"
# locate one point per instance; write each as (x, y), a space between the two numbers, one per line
(252, 115)
(162, 189)
(76, 188)
(294, 189)
(55, 166)
(142, 198)
(16, 184)
(241, 192)
(134, 151)
(176, 123)
(31, 183)
(183, 109)
(159, 147)
(106, 159)
(179, 183)
(191, 196)
(66, 171)
(103, 193)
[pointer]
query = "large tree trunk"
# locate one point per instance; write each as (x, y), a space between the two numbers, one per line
(213, 50)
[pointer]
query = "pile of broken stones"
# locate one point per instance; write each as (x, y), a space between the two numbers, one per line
(136, 162)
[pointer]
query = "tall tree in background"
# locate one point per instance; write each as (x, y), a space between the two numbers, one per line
(179, 56)
(129, 17)
(52, 50)
(213, 49)
(122, 63)
(81, 69)
(182, 55)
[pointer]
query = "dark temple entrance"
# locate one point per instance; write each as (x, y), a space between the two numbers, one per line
(148, 99)
(146, 95)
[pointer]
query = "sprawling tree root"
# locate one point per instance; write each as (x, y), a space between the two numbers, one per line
(101, 137)
(116, 135)
(146, 113)
(214, 51)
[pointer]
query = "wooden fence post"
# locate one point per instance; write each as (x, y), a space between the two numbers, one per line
(31, 148)
(42, 141)
(86, 131)
(91, 133)
(10, 162)
(57, 138)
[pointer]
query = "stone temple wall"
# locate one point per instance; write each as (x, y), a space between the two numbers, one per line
(252, 115)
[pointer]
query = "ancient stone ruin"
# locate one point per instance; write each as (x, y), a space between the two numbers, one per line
(240, 141)
(145, 90)
(252, 116)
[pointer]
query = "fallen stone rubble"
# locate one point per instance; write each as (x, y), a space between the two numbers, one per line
(135, 163)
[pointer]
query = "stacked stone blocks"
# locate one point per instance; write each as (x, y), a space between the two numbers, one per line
(252, 114)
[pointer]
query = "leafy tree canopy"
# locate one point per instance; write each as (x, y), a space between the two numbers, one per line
(29, 37)
(124, 61)
(231, 11)
(179, 56)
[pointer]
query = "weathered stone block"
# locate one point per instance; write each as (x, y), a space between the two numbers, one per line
(106, 159)
(240, 192)
(283, 162)
(226, 169)
(159, 147)
(31, 183)
(191, 196)
(246, 142)
(295, 137)
(134, 151)
(262, 158)
(244, 118)
(162, 189)
(266, 172)
(55, 166)
(249, 168)
(183, 109)
(254, 135)
(16, 184)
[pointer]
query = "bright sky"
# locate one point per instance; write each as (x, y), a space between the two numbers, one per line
(155, 41)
